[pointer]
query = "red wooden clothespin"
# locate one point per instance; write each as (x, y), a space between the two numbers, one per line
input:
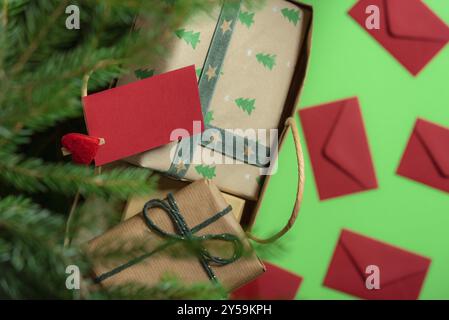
(83, 148)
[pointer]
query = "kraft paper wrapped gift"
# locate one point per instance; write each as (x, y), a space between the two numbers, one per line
(245, 60)
(199, 202)
(165, 186)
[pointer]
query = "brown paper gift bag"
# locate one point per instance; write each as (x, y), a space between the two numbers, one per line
(198, 203)
(287, 124)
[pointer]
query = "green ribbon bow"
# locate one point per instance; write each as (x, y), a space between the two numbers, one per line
(186, 235)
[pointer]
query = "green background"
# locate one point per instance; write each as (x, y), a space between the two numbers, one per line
(345, 61)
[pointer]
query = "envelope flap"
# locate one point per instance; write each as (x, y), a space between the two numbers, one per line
(414, 20)
(394, 263)
(346, 145)
(436, 140)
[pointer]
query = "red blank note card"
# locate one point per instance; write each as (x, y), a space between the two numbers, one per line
(141, 116)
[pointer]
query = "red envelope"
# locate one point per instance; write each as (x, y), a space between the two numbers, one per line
(409, 30)
(426, 158)
(141, 116)
(338, 148)
(274, 284)
(401, 273)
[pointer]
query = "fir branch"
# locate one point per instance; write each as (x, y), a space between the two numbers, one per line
(48, 107)
(5, 14)
(22, 215)
(10, 139)
(36, 42)
(33, 175)
(31, 260)
(168, 288)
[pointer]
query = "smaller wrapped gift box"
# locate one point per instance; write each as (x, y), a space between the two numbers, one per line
(196, 214)
(250, 63)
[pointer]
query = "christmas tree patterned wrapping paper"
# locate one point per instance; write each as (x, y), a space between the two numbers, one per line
(250, 87)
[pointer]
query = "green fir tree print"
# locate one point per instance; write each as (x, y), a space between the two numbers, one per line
(207, 172)
(246, 105)
(190, 37)
(209, 117)
(246, 18)
(292, 15)
(267, 60)
(144, 73)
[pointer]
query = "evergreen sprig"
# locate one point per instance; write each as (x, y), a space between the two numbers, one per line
(30, 258)
(33, 175)
(168, 288)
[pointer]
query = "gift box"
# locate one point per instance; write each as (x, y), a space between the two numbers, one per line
(163, 187)
(250, 65)
(196, 214)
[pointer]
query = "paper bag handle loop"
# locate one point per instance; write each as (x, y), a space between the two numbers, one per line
(290, 123)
